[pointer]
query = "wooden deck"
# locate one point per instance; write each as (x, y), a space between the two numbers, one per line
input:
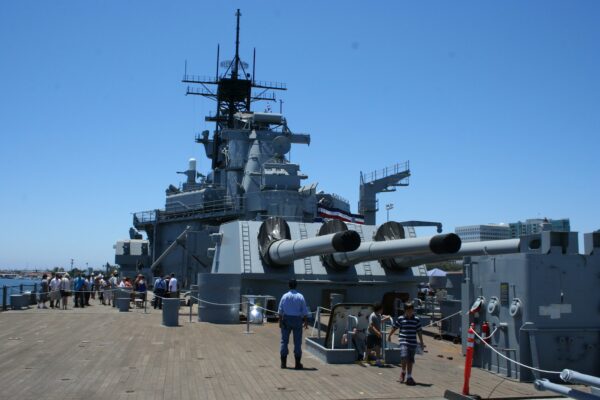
(99, 353)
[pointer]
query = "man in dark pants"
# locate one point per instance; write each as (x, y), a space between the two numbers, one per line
(292, 316)
(159, 292)
(79, 287)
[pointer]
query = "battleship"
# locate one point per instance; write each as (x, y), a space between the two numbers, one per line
(249, 225)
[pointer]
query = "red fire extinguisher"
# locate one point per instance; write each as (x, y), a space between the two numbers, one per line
(485, 331)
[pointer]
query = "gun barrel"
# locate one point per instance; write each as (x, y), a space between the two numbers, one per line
(283, 252)
(376, 250)
(488, 247)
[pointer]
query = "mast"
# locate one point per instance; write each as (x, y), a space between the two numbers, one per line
(233, 94)
(236, 60)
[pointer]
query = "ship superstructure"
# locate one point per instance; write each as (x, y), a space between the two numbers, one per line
(224, 223)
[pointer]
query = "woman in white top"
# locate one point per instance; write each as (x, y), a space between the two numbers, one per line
(55, 292)
(65, 290)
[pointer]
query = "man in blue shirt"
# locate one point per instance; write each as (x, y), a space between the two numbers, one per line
(79, 287)
(293, 315)
(160, 287)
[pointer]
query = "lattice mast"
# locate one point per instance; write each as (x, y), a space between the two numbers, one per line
(234, 93)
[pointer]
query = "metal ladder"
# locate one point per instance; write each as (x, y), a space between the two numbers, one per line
(411, 232)
(307, 262)
(366, 264)
(247, 262)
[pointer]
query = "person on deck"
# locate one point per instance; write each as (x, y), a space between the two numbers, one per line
(65, 290)
(79, 288)
(409, 327)
(140, 288)
(44, 289)
(374, 334)
(173, 287)
(293, 315)
(160, 287)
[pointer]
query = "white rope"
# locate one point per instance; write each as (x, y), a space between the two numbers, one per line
(443, 319)
(513, 361)
(218, 304)
(491, 334)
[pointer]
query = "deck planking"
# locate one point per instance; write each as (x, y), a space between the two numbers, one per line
(100, 353)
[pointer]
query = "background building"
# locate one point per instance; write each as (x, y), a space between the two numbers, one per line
(477, 233)
(534, 225)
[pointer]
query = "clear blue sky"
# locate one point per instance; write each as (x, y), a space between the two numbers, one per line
(495, 104)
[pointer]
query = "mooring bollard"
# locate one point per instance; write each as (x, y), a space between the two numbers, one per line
(469, 359)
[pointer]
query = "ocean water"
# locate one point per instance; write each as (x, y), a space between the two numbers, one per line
(13, 286)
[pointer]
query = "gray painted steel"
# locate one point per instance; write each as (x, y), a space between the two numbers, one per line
(396, 248)
(224, 291)
(545, 303)
(490, 247)
(237, 253)
(335, 299)
(170, 312)
(544, 384)
(571, 376)
(250, 179)
(286, 251)
(451, 326)
(123, 303)
(18, 301)
(315, 346)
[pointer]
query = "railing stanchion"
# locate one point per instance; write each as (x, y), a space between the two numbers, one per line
(248, 317)
(319, 322)
(4, 297)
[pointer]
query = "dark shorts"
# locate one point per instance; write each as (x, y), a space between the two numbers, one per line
(372, 341)
(407, 353)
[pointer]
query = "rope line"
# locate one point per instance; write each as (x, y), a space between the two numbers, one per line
(443, 319)
(513, 361)
(491, 334)
(218, 304)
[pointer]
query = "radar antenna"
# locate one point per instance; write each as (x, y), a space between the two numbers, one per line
(233, 94)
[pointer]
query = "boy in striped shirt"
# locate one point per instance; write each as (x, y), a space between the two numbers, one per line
(409, 327)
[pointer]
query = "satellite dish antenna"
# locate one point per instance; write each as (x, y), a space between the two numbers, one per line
(281, 145)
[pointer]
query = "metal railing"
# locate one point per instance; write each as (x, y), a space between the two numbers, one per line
(382, 173)
(226, 205)
(340, 198)
(200, 91)
(144, 217)
(198, 79)
(365, 205)
(7, 291)
(274, 85)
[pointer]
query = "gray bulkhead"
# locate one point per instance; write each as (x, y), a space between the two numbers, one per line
(237, 252)
(545, 303)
